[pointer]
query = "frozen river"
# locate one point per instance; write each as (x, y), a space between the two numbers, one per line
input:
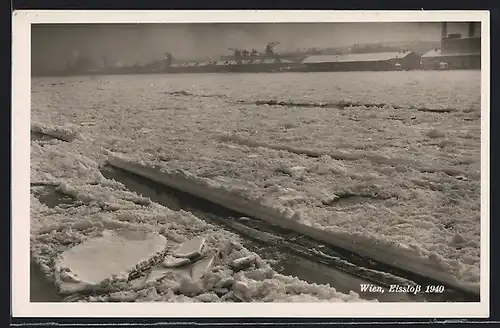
(403, 146)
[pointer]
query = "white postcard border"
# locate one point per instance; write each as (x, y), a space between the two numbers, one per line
(21, 80)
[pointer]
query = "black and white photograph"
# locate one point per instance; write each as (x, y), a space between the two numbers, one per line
(255, 162)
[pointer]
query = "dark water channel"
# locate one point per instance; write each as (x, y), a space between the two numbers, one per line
(289, 252)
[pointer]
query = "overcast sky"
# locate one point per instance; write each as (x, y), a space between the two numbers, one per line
(52, 45)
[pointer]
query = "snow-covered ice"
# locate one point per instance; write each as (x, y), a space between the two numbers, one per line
(173, 262)
(67, 134)
(400, 160)
(191, 248)
(115, 254)
(103, 207)
(243, 262)
(200, 268)
(390, 253)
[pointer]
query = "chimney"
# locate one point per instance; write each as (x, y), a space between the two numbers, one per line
(444, 30)
(444, 34)
(472, 30)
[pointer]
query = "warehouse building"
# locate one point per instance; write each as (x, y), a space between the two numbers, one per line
(456, 52)
(384, 61)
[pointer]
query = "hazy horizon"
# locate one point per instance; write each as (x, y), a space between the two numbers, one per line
(53, 44)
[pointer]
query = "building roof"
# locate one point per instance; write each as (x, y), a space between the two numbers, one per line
(438, 53)
(368, 57)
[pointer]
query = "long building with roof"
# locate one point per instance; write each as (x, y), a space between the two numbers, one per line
(383, 61)
(456, 52)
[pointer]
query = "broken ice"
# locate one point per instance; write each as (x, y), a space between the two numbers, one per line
(243, 262)
(96, 260)
(201, 267)
(174, 262)
(191, 248)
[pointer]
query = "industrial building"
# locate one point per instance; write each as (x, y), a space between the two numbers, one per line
(456, 52)
(384, 61)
